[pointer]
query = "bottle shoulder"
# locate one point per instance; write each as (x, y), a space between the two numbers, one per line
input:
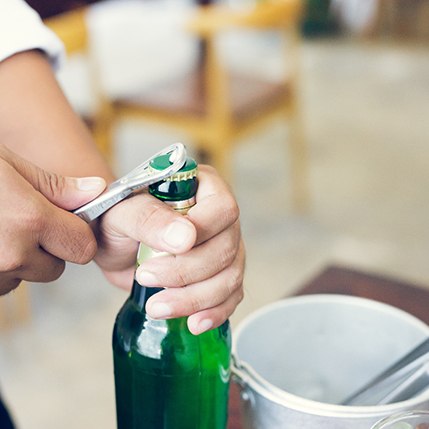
(161, 343)
(134, 320)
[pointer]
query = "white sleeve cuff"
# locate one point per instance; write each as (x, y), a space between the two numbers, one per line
(21, 29)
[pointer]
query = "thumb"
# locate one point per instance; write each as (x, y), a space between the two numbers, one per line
(65, 192)
(69, 192)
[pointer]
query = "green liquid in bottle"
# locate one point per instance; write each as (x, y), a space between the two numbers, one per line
(166, 377)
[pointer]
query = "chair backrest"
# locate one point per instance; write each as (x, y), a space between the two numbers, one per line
(211, 21)
(264, 14)
(50, 8)
(71, 28)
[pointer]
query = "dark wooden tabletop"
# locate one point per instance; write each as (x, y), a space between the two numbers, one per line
(346, 281)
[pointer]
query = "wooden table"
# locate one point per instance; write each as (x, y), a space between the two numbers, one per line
(346, 281)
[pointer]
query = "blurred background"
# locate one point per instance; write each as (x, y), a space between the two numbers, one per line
(315, 111)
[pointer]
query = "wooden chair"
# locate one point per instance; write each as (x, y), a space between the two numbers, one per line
(401, 19)
(216, 108)
(71, 28)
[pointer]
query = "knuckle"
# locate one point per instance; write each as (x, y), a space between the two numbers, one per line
(226, 313)
(35, 217)
(229, 309)
(223, 313)
(53, 183)
(196, 304)
(235, 280)
(78, 246)
(85, 249)
(148, 219)
(231, 211)
(152, 223)
(229, 251)
(8, 156)
(4, 151)
(182, 276)
(240, 295)
(30, 215)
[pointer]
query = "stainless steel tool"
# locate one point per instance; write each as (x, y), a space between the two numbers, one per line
(404, 379)
(133, 182)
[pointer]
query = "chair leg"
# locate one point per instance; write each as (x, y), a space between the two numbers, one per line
(3, 312)
(102, 137)
(103, 130)
(218, 153)
(298, 150)
(203, 155)
(22, 305)
(298, 163)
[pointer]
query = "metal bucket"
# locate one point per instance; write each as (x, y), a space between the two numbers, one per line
(294, 360)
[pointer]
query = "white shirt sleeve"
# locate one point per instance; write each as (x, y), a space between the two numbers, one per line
(21, 29)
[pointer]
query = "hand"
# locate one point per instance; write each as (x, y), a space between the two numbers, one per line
(204, 273)
(37, 234)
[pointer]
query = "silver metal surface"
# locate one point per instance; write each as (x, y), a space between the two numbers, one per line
(403, 379)
(135, 181)
(296, 359)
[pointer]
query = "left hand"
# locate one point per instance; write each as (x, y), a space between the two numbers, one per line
(203, 274)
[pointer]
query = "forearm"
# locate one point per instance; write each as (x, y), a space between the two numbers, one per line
(37, 122)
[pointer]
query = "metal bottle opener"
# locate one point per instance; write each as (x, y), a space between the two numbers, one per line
(133, 182)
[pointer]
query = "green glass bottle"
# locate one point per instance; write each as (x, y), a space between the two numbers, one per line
(166, 377)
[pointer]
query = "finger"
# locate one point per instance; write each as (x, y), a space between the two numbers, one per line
(122, 279)
(8, 283)
(65, 192)
(216, 207)
(214, 317)
(57, 231)
(31, 264)
(114, 255)
(152, 222)
(178, 302)
(65, 236)
(181, 270)
(41, 267)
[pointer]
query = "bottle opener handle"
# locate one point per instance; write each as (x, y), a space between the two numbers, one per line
(133, 182)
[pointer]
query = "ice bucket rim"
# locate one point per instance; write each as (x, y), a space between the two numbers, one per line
(247, 377)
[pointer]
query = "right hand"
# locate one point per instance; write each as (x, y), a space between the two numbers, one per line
(203, 275)
(37, 233)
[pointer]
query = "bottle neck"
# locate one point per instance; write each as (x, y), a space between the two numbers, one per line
(141, 294)
(180, 196)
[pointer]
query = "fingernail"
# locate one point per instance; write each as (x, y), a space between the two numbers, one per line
(177, 234)
(204, 325)
(90, 183)
(146, 278)
(159, 310)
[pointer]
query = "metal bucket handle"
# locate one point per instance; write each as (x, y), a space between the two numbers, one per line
(249, 381)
